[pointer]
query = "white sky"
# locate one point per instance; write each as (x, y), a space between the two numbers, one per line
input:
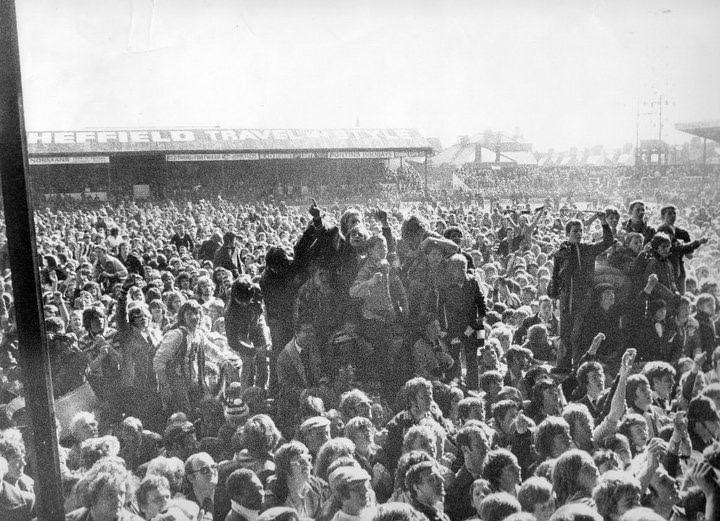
(567, 73)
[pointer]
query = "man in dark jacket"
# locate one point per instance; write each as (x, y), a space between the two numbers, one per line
(182, 239)
(681, 246)
(637, 222)
(130, 260)
(474, 445)
(228, 256)
(279, 288)
(462, 306)
(572, 283)
(544, 316)
(210, 247)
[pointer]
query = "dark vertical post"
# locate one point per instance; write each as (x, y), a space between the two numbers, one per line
(23, 263)
(426, 174)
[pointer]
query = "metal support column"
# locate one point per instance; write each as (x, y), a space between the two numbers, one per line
(20, 224)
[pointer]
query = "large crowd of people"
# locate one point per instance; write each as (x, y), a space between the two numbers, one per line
(516, 355)
(601, 185)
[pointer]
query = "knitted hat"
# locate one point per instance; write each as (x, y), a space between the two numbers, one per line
(236, 410)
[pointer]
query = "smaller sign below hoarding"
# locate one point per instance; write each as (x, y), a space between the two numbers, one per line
(294, 155)
(68, 160)
(251, 156)
(364, 154)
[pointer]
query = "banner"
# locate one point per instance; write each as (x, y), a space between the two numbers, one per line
(255, 156)
(60, 160)
(78, 196)
(194, 140)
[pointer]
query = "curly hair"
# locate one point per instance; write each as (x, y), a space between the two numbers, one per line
(350, 400)
(188, 305)
(90, 314)
(172, 469)
(658, 369)
(611, 488)
(102, 475)
(12, 445)
(259, 435)
(94, 449)
(356, 425)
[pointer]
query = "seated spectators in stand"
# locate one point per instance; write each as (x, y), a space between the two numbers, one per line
(151, 335)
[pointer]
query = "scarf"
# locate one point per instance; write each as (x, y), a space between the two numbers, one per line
(250, 515)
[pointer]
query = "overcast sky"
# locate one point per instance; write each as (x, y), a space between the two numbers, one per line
(567, 73)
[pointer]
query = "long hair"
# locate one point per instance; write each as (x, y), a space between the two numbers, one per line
(565, 475)
(536, 403)
(188, 305)
(283, 459)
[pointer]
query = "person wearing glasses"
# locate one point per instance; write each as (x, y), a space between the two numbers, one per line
(201, 473)
(293, 484)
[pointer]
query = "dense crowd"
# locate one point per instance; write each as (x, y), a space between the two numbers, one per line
(601, 185)
(244, 181)
(441, 360)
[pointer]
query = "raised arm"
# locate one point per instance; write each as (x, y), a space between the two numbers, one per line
(382, 217)
(703, 474)
(121, 311)
(446, 245)
(607, 239)
(531, 227)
